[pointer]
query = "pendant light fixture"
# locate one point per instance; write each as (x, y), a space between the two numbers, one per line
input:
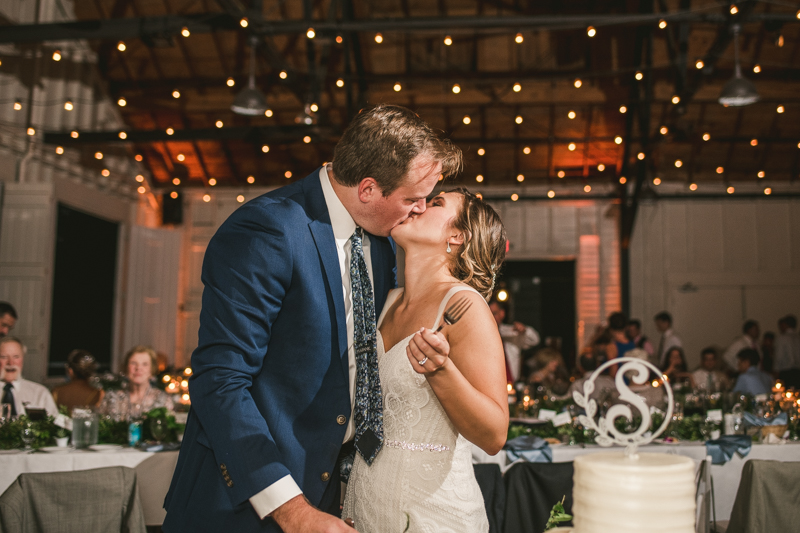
(250, 101)
(739, 91)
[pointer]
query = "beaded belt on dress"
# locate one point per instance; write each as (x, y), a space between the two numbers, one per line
(423, 447)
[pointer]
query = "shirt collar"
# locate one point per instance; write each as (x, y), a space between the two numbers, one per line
(343, 224)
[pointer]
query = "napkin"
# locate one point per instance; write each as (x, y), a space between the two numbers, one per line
(529, 448)
(778, 420)
(722, 449)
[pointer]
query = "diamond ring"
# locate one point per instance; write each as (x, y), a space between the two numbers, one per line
(424, 360)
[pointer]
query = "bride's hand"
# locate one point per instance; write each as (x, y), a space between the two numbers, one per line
(428, 351)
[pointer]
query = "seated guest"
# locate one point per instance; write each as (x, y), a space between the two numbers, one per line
(709, 375)
(81, 366)
(751, 380)
(139, 366)
(549, 370)
(19, 392)
(751, 333)
(8, 318)
(603, 384)
(675, 367)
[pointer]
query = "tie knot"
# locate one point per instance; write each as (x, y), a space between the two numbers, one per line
(8, 387)
(358, 234)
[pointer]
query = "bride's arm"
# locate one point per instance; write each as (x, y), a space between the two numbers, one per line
(466, 370)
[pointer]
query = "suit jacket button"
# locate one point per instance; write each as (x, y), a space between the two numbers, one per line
(341, 420)
(325, 476)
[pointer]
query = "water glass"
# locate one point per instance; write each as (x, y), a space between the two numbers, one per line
(158, 428)
(28, 435)
(85, 426)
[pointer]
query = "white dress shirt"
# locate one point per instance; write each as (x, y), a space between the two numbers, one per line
(34, 395)
(737, 346)
(286, 488)
(513, 344)
(787, 350)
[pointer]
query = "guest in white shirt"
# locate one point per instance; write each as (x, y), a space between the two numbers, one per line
(516, 337)
(787, 345)
(17, 391)
(668, 339)
(752, 332)
(710, 376)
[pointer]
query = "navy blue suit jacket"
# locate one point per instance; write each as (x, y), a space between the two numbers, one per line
(270, 373)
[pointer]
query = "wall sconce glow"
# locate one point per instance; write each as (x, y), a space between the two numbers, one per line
(314, 108)
(618, 140)
(479, 178)
(251, 179)
(288, 174)
(601, 167)
(481, 151)
(240, 198)
(678, 163)
(206, 198)
(517, 87)
(514, 197)
(551, 193)
(520, 178)
(212, 181)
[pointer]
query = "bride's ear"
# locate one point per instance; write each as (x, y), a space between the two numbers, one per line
(456, 239)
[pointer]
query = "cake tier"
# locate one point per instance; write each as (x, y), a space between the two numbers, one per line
(652, 492)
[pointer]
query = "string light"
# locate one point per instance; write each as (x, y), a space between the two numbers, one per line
(640, 156)
(265, 148)
(121, 46)
(720, 170)
(577, 83)
(176, 94)
(676, 99)
(138, 157)
(517, 87)
(587, 188)
(514, 197)
(551, 193)
(638, 75)
(173, 195)
(456, 88)
(74, 134)
(218, 124)
(378, 38)
(181, 157)
(561, 174)
(780, 109)
(57, 55)
(310, 33)
(105, 172)
(230, 82)
(339, 39)
(185, 31)
(268, 113)
(314, 108)
(767, 191)
(571, 115)
(251, 179)
(17, 105)
(730, 190)
(240, 198)
(520, 178)
(754, 142)
(479, 195)
(170, 131)
(31, 132)
(699, 64)
(663, 130)
(212, 181)
(618, 140)
(481, 151)
(526, 150)
(779, 41)
(122, 102)
(397, 87)
(60, 150)
(662, 24)
(139, 178)
(693, 187)
(706, 136)
(519, 119)
(479, 178)
(623, 109)
(448, 41)
(678, 163)
(176, 181)
(623, 180)
(98, 155)
(734, 9)
(141, 190)
(68, 105)
(518, 38)
(601, 167)
(466, 119)
(761, 174)
(306, 139)
(288, 174)
(340, 82)
(590, 31)
(571, 147)
(206, 198)
(756, 68)
(656, 181)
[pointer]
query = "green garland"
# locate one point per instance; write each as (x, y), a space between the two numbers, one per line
(44, 431)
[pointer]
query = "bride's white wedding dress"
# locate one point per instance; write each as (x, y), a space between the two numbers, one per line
(424, 470)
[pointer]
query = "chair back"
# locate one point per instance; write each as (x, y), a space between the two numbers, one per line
(704, 496)
(531, 491)
(767, 498)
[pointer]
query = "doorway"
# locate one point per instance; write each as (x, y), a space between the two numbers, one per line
(542, 295)
(83, 288)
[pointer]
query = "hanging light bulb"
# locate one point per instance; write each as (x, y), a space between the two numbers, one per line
(121, 46)
(577, 83)
(590, 31)
(185, 31)
(662, 24)
(518, 38)
(378, 38)
(397, 87)
(57, 55)
(456, 88)
(638, 75)
(517, 87)
(448, 40)
(68, 105)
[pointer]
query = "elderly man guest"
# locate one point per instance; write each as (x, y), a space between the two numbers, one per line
(8, 318)
(287, 278)
(751, 380)
(17, 391)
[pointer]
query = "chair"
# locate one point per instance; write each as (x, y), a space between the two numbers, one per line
(531, 491)
(490, 480)
(704, 497)
(767, 498)
(103, 499)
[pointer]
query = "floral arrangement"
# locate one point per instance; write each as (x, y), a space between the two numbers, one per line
(557, 515)
(44, 432)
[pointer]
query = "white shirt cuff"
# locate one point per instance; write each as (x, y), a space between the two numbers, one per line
(274, 496)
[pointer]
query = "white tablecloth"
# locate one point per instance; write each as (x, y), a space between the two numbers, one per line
(153, 471)
(725, 477)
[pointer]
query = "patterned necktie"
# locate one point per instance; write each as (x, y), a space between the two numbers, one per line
(368, 410)
(8, 397)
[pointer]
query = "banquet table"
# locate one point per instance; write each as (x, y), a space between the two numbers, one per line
(153, 471)
(725, 476)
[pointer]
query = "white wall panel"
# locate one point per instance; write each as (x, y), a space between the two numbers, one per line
(773, 228)
(740, 244)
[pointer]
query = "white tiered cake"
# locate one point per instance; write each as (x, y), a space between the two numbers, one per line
(651, 492)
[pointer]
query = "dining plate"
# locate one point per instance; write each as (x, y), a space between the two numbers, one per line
(106, 447)
(55, 449)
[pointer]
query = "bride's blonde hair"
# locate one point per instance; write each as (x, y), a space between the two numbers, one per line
(477, 262)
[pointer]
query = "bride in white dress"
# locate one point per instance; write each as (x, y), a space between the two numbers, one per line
(443, 390)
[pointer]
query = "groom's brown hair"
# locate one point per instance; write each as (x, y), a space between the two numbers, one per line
(381, 143)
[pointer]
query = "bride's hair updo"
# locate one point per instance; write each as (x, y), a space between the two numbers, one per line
(478, 260)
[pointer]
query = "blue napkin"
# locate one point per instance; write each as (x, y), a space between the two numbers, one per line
(528, 448)
(778, 420)
(722, 449)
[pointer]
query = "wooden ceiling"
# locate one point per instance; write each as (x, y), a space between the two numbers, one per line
(548, 128)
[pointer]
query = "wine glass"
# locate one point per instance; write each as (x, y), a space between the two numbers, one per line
(28, 435)
(158, 428)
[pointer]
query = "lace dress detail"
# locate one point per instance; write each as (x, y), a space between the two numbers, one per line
(425, 469)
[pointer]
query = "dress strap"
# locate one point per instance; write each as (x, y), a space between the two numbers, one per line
(450, 293)
(391, 298)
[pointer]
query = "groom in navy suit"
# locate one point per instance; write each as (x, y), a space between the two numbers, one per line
(274, 371)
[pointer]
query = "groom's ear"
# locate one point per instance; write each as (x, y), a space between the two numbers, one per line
(368, 190)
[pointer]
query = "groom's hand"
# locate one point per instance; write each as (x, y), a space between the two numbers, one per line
(299, 516)
(428, 351)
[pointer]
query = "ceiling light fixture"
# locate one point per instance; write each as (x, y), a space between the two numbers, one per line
(250, 101)
(738, 91)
